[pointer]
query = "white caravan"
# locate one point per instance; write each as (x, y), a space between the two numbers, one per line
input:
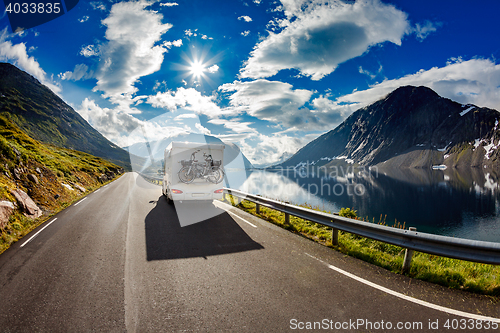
(193, 171)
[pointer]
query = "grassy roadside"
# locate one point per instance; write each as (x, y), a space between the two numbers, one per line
(20, 225)
(452, 273)
(53, 177)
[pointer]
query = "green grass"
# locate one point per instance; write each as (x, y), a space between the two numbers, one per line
(453, 273)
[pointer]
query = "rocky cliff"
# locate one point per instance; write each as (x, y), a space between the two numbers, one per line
(410, 127)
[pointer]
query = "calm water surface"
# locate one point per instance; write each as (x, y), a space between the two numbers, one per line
(463, 204)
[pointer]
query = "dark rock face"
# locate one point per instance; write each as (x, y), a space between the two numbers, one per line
(410, 127)
(103, 178)
(33, 178)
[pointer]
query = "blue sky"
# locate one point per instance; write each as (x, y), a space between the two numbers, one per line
(269, 76)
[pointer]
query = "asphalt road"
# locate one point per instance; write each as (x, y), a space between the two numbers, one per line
(119, 261)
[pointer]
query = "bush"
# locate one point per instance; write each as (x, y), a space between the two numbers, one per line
(16, 226)
(6, 149)
(348, 212)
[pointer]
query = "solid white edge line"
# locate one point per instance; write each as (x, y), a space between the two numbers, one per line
(408, 298)
(39, 231)
(97, 190)
(253, 225)
(80, 201)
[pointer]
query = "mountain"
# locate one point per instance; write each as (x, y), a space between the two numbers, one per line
(45, 117)
(410, 127)
(157, 148)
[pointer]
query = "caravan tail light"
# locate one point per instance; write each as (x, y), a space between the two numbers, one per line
(219, 191)
(176, 191)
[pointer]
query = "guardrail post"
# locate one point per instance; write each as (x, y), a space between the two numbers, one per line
(408, 255)
(287, 219)
(257, 208)
(335, 237)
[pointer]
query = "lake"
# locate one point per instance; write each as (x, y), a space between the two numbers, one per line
(451, 202)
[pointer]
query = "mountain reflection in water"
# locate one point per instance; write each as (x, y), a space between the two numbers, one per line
(451, 202)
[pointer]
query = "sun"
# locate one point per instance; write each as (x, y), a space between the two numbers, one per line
(197, 69)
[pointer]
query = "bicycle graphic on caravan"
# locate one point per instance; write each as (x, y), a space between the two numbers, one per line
(210, 170)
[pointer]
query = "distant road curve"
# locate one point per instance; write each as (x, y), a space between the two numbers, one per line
(119, 261)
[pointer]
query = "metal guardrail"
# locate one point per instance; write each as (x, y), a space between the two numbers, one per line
(458, 248)
(152, 180)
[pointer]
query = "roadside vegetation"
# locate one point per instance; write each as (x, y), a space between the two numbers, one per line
(51, 176)
(452, 273)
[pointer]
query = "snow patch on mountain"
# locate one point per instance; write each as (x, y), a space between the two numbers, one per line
(445, 148)
(467, 110)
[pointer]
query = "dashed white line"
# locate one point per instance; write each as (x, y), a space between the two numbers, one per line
(97, 190)
(79, 201)
(408, 298)
(253, 225)
(39, 231)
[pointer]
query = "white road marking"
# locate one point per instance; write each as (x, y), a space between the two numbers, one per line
(408, 298)
(253, 225)
(39, 231)
(97, 190)
(80, 201)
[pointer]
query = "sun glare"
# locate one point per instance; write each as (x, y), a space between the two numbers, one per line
(197, 69)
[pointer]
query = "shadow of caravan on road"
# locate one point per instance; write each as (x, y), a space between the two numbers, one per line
(166, 239)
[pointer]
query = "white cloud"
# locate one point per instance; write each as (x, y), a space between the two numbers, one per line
(18, 55)
(265, 149)
(169, 4)
(475, 81)
(245, 33)
(98, 5)
(424, 29)
(372, 75)
(113, 124)
(203, 130)
(235, 125)
(245, 18)
(269, 100)
(84, 19)
(189, 99)
(81, 72)
(158, 85)
(278, 103)
(185, 116)
(132, 32)
(176, 43)
(119, 127)
(89, 51)
(213, 69)
(331, 113)
(322, 35)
